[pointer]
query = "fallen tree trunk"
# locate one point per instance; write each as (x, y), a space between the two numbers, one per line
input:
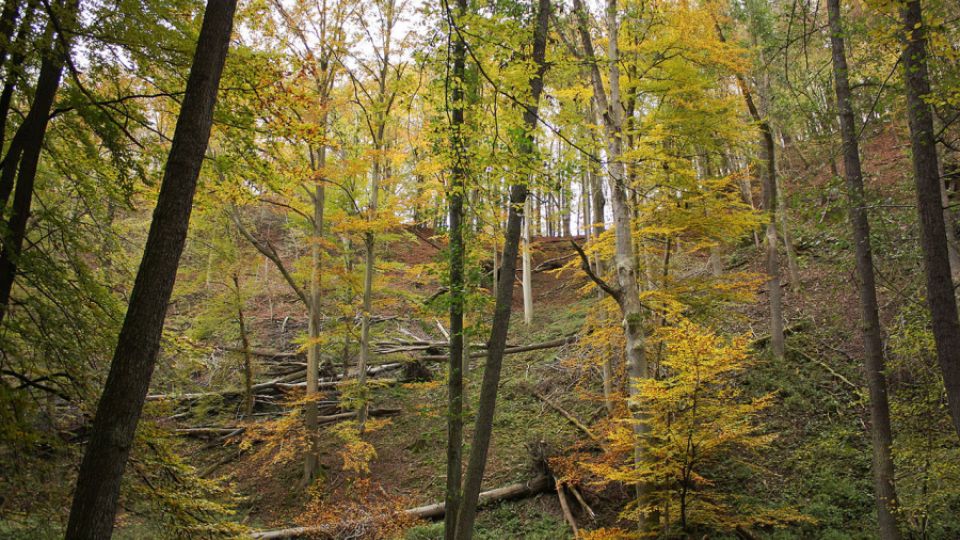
(566, 414)
(792, 329)
(286, 382)
(266, 353)
(535, 486)
(513, 350)
(230, 431)
(326, 385)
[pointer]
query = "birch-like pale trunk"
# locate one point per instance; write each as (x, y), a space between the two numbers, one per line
(625, 262)
(527, 278)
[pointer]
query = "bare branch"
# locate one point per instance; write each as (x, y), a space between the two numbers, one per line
(615, 292)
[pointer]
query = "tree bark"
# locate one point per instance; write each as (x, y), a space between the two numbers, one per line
(455, 365)
(625, 260)
(527, 271)
(245, 349)
(118, 412)
(23, 157)
(312, 459)
(933, 236)
(483, 427)
(883, 471)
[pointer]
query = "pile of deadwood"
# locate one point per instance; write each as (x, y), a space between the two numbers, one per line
(288, 369)
(287, 372)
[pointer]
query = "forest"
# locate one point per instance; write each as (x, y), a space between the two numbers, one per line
(499, 269)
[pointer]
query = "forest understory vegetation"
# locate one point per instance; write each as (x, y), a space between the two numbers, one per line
(520, 269)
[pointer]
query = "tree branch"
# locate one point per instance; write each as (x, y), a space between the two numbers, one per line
(615, 292)
(269, 252)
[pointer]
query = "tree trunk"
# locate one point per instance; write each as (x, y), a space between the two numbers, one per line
(933, 237)
(793, 267)
(311, 460)
(457, 300)
(10, 82)
(883, 471)
(98, 484)
(769, 176)
(625, 260)
(23, 157)
(245, 350)
(527, 270)
(369, 244)
(483, 427)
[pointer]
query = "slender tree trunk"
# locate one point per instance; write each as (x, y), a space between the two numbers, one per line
(599, 202)
(98, 484)
(883, 472)
(370, 258)
(625, 259)
(245, 349)
(933, 237)
(24, 156)
(455, 367)
(527, 271)
(769, 176)
(312, 459)
(483, 427)
(793, 267)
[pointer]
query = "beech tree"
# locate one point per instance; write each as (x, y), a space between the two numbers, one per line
(483, 428)
(118, 412)
(872, 332)
(941, 298)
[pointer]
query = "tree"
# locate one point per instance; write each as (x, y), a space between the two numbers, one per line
(118, 412)
(697, 420)
(23, 155)
(768, 175)
(941, 297)
(458, 186)
(627, 291)
(376, 104)
(496, 345)
(883, 472)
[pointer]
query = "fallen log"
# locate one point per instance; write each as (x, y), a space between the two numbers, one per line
(204, 431)
(267, 353)
(792, 329)
(511, 350)
(431, 511)
(230, 431)
(333, 418)
(282, 383)
(565, 507)
(566, 414)
(552, 264)
(327, 385)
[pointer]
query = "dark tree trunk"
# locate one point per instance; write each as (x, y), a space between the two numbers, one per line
(883, 472)
(118, 412)
(455, 367)
(23, 158)
(8, 22)
(933, 235)
(9, 85)
(501, 316)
